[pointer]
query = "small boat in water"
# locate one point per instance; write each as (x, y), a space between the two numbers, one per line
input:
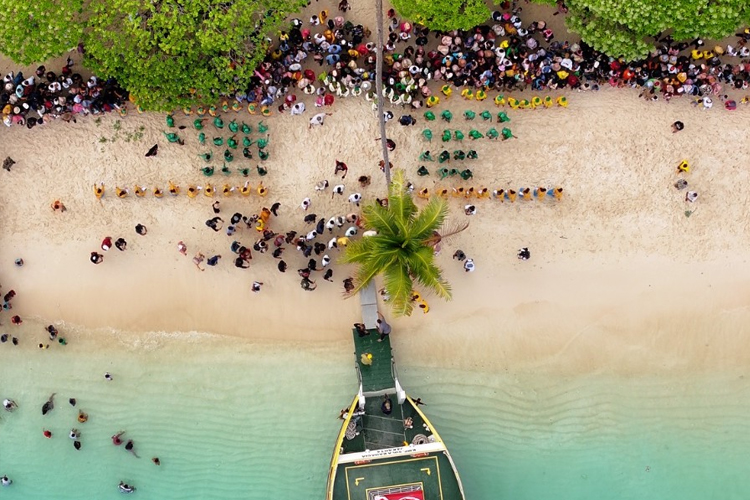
(387, 449)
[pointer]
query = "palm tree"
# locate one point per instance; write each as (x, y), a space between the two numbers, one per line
(403, 248)
(379, 88)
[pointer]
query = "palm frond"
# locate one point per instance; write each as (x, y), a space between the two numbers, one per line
(400, 202)
(429, 219)
(445, 233)
(422, 267)
(399, 286)
(367, 271)
(379, 219)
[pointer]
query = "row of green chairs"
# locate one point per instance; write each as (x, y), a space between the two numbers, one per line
(446, 156)
(218, 122)
(474, 134)
(446, 115)
(209, 171)
(443, 172)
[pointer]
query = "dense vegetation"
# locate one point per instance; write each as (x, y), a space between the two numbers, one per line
(444, 15)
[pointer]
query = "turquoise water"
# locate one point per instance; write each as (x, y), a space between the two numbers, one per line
(235, 420)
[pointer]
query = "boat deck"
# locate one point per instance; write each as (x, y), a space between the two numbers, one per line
(377, 378)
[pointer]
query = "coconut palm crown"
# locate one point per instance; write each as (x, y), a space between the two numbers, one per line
(403, 248)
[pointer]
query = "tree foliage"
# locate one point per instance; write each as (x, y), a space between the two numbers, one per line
(167, 53)
(444, 15)
(402, 250)
(624, 28)
(38, 30)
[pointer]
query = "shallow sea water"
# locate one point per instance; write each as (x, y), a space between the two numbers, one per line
(238, 420)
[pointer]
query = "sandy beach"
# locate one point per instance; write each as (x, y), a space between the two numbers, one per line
(619, 275)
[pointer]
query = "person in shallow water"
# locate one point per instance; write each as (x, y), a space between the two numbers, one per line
(126, 488)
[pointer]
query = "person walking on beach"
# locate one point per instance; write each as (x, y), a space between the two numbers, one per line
(198, 259)
(469, 265)
(384, 329)
(256, 286)
(524, 254)
(214, 223)
(341, 167)
(121, 244)
(318, 119)
(96, 258)
(107, 243)
(212, 261)
(182, 248)
(141, 229)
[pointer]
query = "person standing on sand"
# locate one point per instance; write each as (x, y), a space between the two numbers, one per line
(318, 119)
(96, 258)
(107, 243)
(198, 259)
(121, 244)
(57, 205)
(141, 229)
(212, 261)
(341, 167)
(256, 286)
(182, 248)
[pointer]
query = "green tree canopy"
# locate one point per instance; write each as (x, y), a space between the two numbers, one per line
(623, 28)
(444, 15)
(402, 251)
(38, 30)
(169, 53)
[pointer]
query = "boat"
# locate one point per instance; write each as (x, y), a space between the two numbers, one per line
(381, 454)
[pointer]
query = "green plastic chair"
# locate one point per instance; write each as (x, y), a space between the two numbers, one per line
(228, 156)
(244, 171)
(426, 156)
(262, 128)
(263, 155)
(218, 122)
(502, 117)
(262, 143)
(466, 174)
(170, 121)
(202, 138)
(429, 116)
(208, 171)
(444, 156)
(446, 115)
(262, 171)
(458, 135)
(246, 142)
(472, 155)
(446, 135)
(207, 156)
(493, 133)
(233, 127)
(453, 172)
(246, 129)
(225, 170)
(475, 134)
(198, 124)
(469, 115)
(172, 137)
(218, 141)
(247, 153)
(232, 142)
(443, 172)
(507, 134)
(486, 115)
(422, 171)
(427, 134)
(459, 155)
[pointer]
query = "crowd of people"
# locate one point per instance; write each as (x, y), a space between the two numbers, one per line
(46, 96)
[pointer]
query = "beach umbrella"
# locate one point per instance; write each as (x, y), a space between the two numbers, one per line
(218, 141)
(429, 116)
(475, 134)
(202, 138)
(170, 121)
(459, 155)
(233, 127)
(198, 124)
(472, 155)
(232, 142)
(208, 171)
(218, 123)
(262, 128)
(458, 135)
(225, 170)
(469, 115)
(493, 133)
(207, 156)
(422, 171)
(262, 171)
(446, 135)
(246, 129)
(446, 115)
(486, 115)
(426, 156)
(427, 134)
(502, 117)
(228, 156)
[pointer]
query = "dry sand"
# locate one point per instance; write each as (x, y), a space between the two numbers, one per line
(620, 279)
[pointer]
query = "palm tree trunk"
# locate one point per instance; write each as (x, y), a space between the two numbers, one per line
(379, 88)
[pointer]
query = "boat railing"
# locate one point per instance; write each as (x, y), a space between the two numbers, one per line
(400, 393)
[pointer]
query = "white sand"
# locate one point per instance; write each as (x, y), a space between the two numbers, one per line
(619, 279)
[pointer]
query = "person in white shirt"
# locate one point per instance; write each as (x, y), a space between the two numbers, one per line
(469, 265)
